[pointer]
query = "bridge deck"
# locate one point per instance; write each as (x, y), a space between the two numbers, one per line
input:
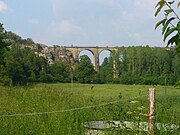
(90, 47)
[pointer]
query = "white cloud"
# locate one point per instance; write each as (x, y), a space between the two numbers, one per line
(64, 27)
(100, 21)
(33, 21)
(67, 26)
(137, 23)
(60, 5)
(65, 31)
(3, 7)
(145, 3)
(143, 9)
(135, 36)
(56, 4)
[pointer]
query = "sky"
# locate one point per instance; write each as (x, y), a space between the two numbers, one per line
(83, 22)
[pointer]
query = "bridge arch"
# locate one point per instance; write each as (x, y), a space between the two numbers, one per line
(106, 49)
(87, 52)
(96, 51)
(103, 54)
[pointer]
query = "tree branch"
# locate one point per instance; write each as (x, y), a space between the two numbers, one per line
(173, 10)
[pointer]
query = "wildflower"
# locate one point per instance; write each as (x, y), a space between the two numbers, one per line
(133, 102)
(129, 112)
(140, 108)
(142, 114)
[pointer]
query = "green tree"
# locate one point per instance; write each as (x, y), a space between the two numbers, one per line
(3, 49)
(106, 71)
(14, 38)
(59, 72)
(84, 71)
(23, 65)
(170, 23)
(146, 65)
(176, 67)
(3, 44)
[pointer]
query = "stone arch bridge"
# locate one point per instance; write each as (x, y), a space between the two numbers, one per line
(96, 52)
(59, 52)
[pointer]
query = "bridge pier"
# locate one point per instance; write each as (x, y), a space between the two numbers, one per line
(116, 70)
(96, 60)
(95, 51)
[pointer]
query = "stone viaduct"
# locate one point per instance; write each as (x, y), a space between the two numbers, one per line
(71, 54)
(75, 50)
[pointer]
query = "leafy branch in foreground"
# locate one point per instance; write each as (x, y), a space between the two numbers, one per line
(170, 23)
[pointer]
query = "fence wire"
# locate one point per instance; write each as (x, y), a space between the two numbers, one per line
(69, 110)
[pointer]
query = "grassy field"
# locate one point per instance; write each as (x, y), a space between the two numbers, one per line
(57, 97)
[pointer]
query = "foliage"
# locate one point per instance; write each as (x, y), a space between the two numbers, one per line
(19, 65)
(22, 65)
(84, 71)
(106, 71)
(3, 49)
(59, 71)
(170, 23)
(14, 38)
(3, 44)
(145, 65)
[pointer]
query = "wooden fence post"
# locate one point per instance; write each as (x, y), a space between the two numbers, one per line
(151, 115)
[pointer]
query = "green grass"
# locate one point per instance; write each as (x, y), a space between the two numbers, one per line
(54, 97)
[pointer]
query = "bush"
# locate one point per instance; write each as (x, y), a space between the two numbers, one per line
(5, 81)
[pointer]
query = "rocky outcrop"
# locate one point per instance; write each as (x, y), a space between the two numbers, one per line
(55, 53)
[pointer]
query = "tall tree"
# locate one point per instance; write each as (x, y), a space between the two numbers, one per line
(84, 71)
(106, 71)
(3, 48)
(3, 44)
(59, 71)
(23, 65)
(14, 38)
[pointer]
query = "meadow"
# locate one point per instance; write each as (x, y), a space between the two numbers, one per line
(49, 108)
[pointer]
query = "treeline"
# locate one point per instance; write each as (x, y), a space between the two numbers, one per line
(147, 65)
(137, 65)
(19, 65)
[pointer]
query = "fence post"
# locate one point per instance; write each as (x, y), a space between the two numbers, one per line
(151, 115)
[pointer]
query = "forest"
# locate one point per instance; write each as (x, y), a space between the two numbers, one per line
(136, 64)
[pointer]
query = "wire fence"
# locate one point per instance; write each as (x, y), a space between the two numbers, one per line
(69, 110)
(73, 119)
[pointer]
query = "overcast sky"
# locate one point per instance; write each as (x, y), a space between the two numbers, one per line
(83, 22)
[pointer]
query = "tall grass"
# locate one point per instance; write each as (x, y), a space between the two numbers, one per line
(53, 97)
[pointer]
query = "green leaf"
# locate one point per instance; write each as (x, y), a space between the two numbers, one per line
(174, 39)
(168, 11)
(168, 32)
(166, 24)
(160, 22)
(178, 43)
(178, 27)
(161, 4)
(178, 4)
(171, 2)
